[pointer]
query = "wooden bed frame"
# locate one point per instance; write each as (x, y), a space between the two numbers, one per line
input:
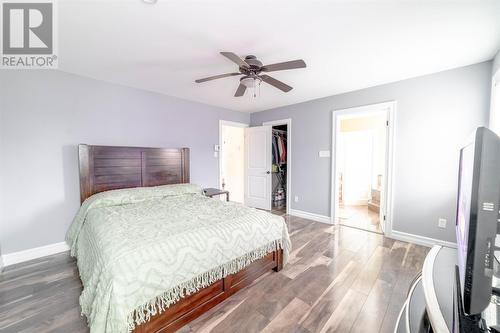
(104, 168)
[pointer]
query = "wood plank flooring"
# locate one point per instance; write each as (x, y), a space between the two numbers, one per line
(360, 217)
(339, 279)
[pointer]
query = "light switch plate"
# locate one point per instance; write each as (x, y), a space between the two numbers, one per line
(324, 153)
(442, 223)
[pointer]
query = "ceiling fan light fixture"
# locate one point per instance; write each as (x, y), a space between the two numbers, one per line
(248, 82)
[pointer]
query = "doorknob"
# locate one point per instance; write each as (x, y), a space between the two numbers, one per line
(268, 172)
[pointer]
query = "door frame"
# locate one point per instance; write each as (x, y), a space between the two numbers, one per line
(390, 109)
(288, 122)
(219, 157)
(494, 118)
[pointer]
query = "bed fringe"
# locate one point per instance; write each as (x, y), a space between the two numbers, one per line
(160, 303)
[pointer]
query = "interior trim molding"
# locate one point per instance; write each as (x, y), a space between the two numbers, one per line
(34, 253)
(387, 199)
(310, 216)
(420, 240)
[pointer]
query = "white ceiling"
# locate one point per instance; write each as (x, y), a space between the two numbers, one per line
(347, 45)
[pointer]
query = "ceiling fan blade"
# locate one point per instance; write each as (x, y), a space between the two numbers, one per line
(276, 83)
(240, 91)
(234, 58)
(284, 65)
(215, 77)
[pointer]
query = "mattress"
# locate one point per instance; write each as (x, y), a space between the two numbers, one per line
(140, 250)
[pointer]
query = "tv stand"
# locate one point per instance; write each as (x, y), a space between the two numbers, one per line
(430, 306)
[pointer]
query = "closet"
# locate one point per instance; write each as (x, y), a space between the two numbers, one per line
(279, 168)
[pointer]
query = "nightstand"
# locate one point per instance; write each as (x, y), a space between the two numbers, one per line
(211, 192)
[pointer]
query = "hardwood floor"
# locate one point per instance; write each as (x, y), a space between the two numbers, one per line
(360, 217)
(279, 210)
(338, 279)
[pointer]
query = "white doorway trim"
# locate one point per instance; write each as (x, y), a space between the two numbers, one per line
(390, 108)
(219, 157)
(288, 122)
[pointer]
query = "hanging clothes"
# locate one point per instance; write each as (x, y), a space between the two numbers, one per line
(279, 148)
(283, 153)
(275, 151)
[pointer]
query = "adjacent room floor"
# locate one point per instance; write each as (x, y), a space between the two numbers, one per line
(338, 279)
(279, 210)
(360, 217)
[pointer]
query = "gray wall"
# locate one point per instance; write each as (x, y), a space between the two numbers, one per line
(45, 114)
(435, 114)
(496, 63)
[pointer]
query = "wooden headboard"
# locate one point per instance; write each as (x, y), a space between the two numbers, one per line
(104, 168)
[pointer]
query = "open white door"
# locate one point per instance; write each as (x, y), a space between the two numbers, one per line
(258, 167)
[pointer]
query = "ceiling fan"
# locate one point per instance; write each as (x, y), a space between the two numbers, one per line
(251, 69)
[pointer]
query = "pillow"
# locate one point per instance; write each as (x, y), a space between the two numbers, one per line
(138, 194)
(177, 189)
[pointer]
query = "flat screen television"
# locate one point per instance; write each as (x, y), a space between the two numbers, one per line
(477, 218)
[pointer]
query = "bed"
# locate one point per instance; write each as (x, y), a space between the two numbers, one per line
(152, 251)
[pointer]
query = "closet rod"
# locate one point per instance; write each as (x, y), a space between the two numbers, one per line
(281, 131)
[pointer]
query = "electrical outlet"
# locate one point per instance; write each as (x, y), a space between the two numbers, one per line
(296, 199)
(442, 223)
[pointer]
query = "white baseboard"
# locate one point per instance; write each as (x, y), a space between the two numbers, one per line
(398, 235)
(310, 216)
(420, 240)
(34, 253)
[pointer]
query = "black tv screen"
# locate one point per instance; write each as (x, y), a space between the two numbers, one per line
(477, 217)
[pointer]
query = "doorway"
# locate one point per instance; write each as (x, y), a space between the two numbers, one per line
(361, 173)
(231, 159)
(279, 169)
(281, 165)
(255, 164)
